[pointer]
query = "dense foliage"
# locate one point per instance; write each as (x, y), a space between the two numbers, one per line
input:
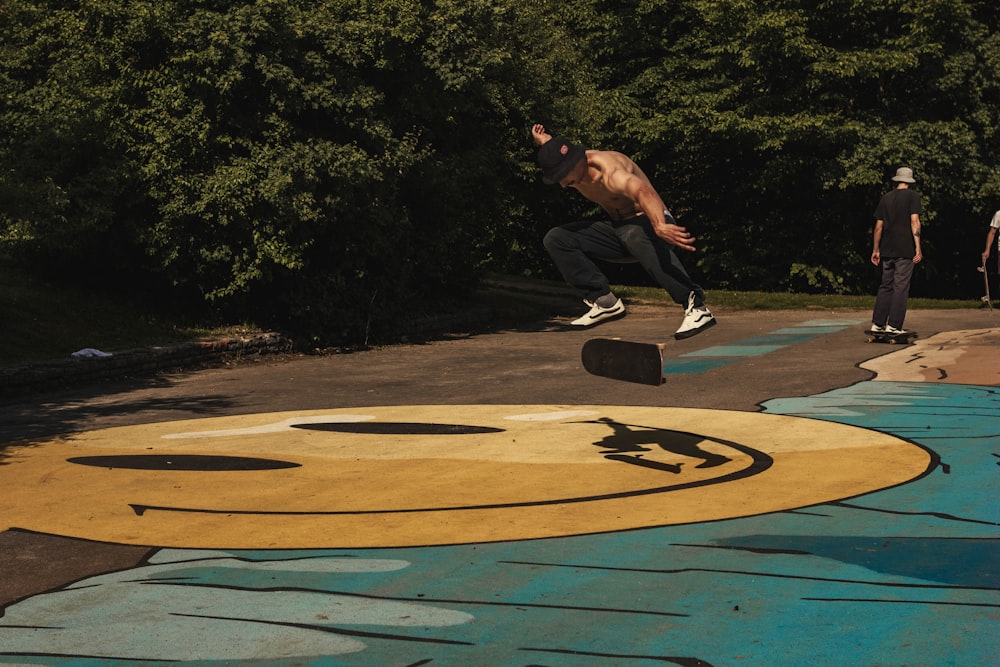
(775, 127)
(340, 166)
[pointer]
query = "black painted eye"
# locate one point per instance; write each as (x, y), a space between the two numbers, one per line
(185, 462)
(399, 428)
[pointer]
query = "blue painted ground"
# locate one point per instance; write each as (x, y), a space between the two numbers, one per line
(904, 576)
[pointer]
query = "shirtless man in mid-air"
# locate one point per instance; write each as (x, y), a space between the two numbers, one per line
(640, 229)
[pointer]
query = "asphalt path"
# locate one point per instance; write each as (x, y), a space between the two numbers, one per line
(750, 357)
(538, 363)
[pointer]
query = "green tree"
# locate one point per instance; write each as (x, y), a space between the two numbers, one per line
(775, 125)
(344, 166)
(63, 183)
(333, 166)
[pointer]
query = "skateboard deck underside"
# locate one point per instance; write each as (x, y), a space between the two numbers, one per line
(624, 360)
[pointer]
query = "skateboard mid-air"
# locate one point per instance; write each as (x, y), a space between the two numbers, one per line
(624, 360)
(889, 337)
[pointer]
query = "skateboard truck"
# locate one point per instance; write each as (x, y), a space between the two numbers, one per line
(888, 337)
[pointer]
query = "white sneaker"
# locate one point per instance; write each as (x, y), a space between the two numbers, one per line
(598, 314)
(696, 320)
(894, 331)
(877, 328)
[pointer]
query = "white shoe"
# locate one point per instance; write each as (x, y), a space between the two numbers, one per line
(876, 328)
(696, 320)
(598, 314)
(894, 331)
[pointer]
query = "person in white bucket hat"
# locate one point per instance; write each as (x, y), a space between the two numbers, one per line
(896, 246)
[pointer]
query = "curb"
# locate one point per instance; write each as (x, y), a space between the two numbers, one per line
(20, 380)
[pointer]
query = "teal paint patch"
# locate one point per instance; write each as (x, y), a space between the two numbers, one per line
(713, 357)
(734, 351)
(833, 323)
(681, 366)
(816, 330)
(781, 339)
(959, 423)
(957, 562)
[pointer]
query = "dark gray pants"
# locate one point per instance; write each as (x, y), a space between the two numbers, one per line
(893, 293)
(576, 245)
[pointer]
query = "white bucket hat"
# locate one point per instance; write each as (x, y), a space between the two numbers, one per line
(904, 175)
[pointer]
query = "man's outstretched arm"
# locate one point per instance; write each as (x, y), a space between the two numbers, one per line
(652, 205)
(990, 235)
(539, 134)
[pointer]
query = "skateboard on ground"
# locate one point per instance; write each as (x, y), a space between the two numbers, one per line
(886, 337)
(624, 360)
(986, 285)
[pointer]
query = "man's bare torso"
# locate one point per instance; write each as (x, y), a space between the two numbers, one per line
(605, 183)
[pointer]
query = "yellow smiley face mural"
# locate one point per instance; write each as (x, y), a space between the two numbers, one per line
(431, 475)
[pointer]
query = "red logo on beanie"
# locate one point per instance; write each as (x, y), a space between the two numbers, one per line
(563, 149)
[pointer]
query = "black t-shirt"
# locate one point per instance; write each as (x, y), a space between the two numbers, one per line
(895, 209)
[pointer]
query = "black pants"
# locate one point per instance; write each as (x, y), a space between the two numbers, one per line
(574, 247)
(893, 293)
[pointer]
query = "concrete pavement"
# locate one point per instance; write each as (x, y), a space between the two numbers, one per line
(755, 378)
